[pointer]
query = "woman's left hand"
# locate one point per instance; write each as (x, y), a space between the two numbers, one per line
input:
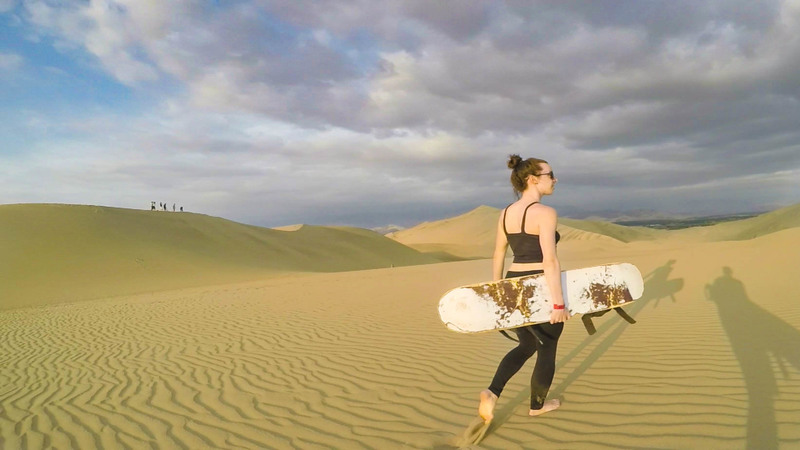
(559, 315)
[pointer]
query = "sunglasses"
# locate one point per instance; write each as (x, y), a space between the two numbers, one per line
(550, 174)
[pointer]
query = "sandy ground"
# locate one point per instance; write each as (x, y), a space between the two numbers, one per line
(360, 360)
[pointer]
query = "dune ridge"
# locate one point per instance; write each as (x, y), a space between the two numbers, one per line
(73, 252)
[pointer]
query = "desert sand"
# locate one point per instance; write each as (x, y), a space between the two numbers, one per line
(134, 329)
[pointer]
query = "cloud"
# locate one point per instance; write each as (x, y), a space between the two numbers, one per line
(103, 29)
(481, 68)
(10, 62)
(275, 112)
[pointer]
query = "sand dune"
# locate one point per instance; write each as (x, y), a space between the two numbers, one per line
(55, 253)
(360, 360)
(472, 235)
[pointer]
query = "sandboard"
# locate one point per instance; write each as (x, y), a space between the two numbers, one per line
(516, 302)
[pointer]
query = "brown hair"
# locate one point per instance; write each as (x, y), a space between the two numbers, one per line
(521, 169)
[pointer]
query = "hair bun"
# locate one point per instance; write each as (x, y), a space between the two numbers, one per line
(513, 161)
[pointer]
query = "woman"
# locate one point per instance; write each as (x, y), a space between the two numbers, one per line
(529, 227)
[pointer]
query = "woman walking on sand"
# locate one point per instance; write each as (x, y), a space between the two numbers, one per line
(529, 227)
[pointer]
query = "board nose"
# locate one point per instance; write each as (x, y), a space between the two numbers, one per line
(635, 283)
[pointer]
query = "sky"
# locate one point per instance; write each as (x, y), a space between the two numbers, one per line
(370, 113)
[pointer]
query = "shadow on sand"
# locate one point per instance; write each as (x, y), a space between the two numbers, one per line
(657, 286)
(757, 338)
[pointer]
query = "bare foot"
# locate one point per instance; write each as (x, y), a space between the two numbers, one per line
(486, 409)
(547, 407)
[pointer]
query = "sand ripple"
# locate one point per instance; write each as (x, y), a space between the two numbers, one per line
(359, 360)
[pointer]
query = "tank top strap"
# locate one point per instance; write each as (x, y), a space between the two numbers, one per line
(524, 216)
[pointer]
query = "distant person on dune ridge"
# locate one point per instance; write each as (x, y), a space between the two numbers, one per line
(529, 227)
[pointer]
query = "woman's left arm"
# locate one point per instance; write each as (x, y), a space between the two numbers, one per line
(550, 263)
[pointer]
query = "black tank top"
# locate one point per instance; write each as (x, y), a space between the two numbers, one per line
(526, 247)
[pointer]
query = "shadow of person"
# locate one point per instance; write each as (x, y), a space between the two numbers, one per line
(657, 285)
(756, 336)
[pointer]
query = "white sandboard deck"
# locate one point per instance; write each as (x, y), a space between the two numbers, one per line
(515, 302)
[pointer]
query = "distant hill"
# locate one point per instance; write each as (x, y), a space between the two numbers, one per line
(617, 232)
(642, 215)
(388, 229)
(678, 224)
(54, 253)
(749, 228)
(619, 215)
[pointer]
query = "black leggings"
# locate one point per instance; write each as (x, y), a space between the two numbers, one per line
(543, 338)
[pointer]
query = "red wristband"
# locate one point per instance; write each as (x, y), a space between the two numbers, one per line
(555, 306)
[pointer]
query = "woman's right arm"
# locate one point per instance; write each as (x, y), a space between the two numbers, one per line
(500, 248)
